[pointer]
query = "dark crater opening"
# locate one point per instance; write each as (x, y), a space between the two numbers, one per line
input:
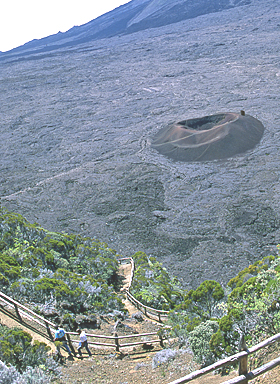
(212, 137)
(203, 123)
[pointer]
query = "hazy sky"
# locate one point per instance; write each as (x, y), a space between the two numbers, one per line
(25, 20)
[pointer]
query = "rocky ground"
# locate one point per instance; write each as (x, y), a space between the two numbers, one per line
(76, 125)
(134, 368)
(137, 369)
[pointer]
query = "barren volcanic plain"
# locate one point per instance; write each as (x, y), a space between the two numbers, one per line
(76, 125)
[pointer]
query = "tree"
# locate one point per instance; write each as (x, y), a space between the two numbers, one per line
(204, 299)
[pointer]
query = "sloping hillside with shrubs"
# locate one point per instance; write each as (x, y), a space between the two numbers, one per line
(211, 318)
(22, 361)
(72, 279)
(60, 276)
(153, 286)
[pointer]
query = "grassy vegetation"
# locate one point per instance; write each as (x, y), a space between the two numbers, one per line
(152, 284)
(22, 361)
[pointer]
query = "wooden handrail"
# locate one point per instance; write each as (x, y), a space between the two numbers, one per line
(242, 379)
(255, 373)
(16, 303)
(138, 335)
(241, 357)
(145, 306)
(23, 311)
(140, 343)
(120, 337)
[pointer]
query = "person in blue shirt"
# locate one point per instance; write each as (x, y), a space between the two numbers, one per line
(60, 336)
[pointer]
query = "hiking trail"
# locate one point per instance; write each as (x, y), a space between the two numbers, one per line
(125, 270)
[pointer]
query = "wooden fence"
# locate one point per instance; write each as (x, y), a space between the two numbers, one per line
(23, 314)
(242, 359)
(148, 311)
(145, 309)
(114, 341)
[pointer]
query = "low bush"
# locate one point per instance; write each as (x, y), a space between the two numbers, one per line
(26, 359)
(164, 357)
(9, 375)
(199, 340)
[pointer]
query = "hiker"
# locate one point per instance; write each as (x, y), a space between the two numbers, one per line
(60, 336)
(83, 342)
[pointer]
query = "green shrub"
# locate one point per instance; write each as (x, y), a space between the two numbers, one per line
(153, 286)
(203, 301)
(199, 340)
(18, 351)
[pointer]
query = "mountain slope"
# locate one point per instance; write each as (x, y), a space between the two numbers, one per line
(161, 12)
(75, 129)
(134, 16)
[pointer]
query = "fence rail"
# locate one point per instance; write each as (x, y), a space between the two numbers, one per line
(22, 312)
(240, 357)
(145, 309)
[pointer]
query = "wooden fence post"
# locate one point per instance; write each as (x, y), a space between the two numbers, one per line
(49, 331)
(70, 344)
(17, 312)
(161, 341)
(243, 361)
(117, 342)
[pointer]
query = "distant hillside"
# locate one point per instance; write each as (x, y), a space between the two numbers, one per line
(134, 16)
(76, 128)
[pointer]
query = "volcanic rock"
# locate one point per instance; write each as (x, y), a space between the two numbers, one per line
(75, 132)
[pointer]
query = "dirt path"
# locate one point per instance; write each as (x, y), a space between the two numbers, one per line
(104, 367)
(125, 271)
